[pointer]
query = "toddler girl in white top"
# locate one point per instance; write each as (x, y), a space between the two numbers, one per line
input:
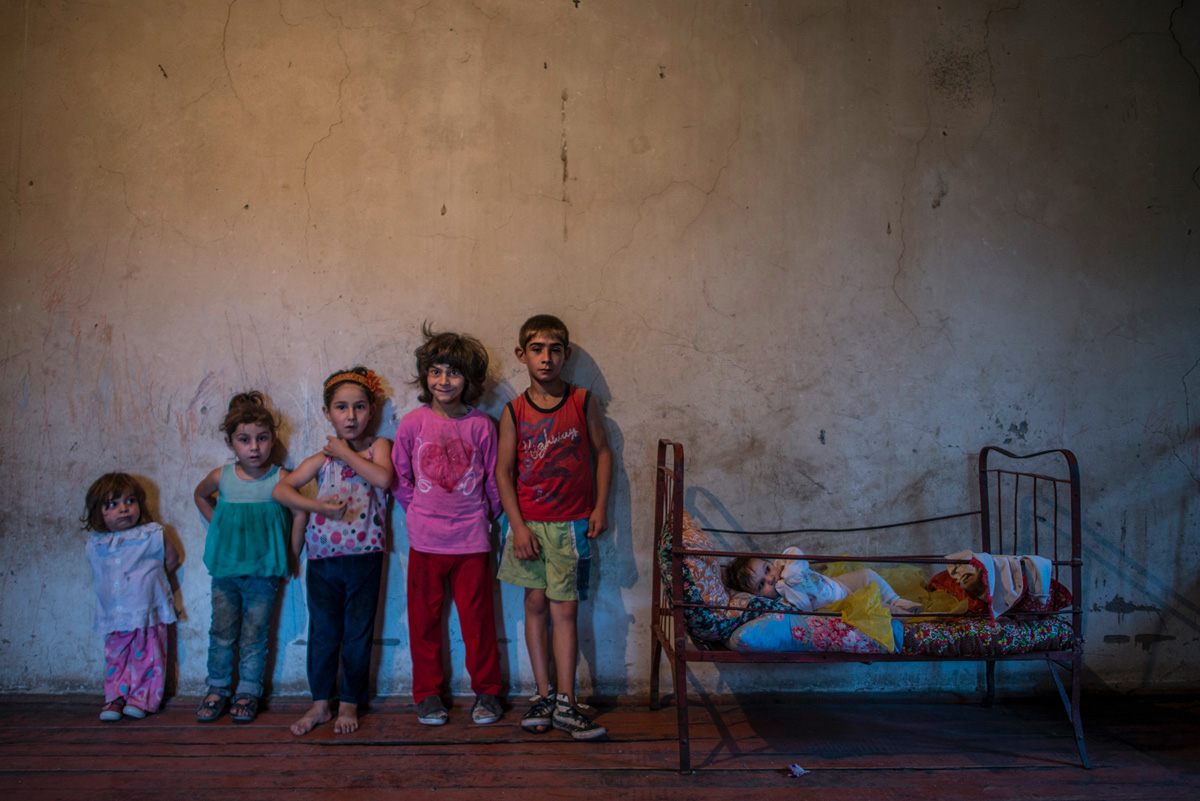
(793, 581)
(130, 561)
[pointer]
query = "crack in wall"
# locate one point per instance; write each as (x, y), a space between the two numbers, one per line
(1190, 63)
(1187, 424)
(125, 196)
(900, 222)
(308, 223)
(566, 200)
(991, 67)
(225, 58)
(16, 188)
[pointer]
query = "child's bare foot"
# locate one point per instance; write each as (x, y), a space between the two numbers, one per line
(317, 714)
(347, 718)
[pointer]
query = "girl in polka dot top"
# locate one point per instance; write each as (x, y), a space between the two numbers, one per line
(345, 543)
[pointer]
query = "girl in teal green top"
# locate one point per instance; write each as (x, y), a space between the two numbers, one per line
(246, 554)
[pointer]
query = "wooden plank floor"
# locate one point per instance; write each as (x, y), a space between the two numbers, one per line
(860, 748)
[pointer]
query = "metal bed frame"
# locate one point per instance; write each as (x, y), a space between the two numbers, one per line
(1000, 501)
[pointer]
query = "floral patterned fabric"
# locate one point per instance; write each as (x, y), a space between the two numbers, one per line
(982, 637)
(780, 632)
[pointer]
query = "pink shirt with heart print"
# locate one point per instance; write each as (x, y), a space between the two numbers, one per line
(446, 480)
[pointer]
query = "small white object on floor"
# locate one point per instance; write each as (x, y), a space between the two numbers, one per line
(795, 771)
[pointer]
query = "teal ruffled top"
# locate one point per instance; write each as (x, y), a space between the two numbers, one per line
(249, 532)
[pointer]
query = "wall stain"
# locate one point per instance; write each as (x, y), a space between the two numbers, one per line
(1116, 639)
(1146, 640)
(955, 72)
(1120, 606)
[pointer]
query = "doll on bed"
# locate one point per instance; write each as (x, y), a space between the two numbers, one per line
(793, 581)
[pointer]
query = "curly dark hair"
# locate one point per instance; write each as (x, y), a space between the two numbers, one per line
(104, 489)
(464, 353)
(248, 408)
(738, 573)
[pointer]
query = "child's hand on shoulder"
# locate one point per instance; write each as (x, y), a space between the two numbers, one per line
(338, 448)
(332, 508)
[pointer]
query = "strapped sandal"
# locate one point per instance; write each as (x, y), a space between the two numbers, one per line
(208, 711)
(247, 703)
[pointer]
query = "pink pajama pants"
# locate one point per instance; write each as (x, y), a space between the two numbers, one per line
(135, 666)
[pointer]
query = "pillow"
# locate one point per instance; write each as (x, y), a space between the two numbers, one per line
(703, 584)
(776, 631)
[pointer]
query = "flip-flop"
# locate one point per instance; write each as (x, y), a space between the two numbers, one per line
(244, 702)
(208, 711)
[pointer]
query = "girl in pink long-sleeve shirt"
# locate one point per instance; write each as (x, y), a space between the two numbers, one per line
(445, 459)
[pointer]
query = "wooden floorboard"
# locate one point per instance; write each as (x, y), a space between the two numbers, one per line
(860, 748)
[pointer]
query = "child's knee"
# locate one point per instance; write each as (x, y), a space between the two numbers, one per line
(536, 603)
(564, 612)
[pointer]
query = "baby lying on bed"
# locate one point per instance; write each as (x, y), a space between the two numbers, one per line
(794, 582)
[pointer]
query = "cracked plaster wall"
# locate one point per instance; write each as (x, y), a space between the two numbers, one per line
(834, 248)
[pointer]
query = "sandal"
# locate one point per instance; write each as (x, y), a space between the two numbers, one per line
(208, 711)
(247, 705)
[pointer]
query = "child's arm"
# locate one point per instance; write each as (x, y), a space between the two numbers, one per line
(376, 471)
(296, 540)
(488, 448)
(598, 520)
(287, 491)
(404, 480)
(204, 493)
(170, 556)
(524, 543)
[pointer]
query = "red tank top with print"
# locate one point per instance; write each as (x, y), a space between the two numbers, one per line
(554, 458)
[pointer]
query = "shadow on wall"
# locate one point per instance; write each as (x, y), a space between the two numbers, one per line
(171, 537)
(613, 551)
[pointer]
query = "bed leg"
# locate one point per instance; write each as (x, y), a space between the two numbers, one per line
(655, 662)
(681, 701)
(1072, 704)
(990, 694)
(1076, 719)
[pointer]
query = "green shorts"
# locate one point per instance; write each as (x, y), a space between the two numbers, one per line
(562, 564)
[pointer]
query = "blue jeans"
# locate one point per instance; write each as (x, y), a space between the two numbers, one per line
(241, 617)
(343, 592)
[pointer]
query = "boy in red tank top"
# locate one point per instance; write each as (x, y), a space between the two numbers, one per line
(556, 503)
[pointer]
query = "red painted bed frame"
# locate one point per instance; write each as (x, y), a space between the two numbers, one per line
(999, 490)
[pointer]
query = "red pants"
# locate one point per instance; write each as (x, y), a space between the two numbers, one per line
(470, 581)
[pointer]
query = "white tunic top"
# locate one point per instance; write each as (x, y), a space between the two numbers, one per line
(131, 583)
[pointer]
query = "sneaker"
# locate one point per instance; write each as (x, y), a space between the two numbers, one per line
(487, 709)
(112, 710)
(537, 719)
(431, 712)
(569, 719)
(135, 712)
